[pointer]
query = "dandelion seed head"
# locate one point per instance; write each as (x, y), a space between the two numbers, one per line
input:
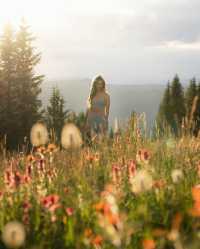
(141, 182)
(13, 234)
(176, 175)
(71, 136)
(39, 135)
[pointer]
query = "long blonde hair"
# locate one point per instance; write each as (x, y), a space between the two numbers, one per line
(93, 90)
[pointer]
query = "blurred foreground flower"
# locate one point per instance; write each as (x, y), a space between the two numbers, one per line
(148, 244)
(141, 182)
(195, 210)
(176, 175)
(71, 136)
(109, 218)
(13, 234)
(39, 134)
(143, 156)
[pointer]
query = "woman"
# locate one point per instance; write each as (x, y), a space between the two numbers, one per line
(98, 107)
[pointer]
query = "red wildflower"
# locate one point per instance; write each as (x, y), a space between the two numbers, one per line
(159, 183)
(29, 169)
(51, 202)
(131, 168)
(116, 173)
(30, 158)
(143, 155)
(18, 179)
(69, 211)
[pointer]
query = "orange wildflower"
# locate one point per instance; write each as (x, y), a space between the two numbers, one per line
(30, 158)
(51, 147)
(176, 222)
(159, 183)
(195, 211)
(99, 206)
(148, 244)
(110, 188)
(41, 149)
(113, 218)
(87, 232)
(97, 241)
(196, 193)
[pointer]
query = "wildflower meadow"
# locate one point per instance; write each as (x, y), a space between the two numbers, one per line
(129, 191)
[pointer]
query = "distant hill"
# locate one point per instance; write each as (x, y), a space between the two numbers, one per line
(124, 98)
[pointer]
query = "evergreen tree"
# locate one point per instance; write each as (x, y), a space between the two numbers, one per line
(56, 114)
(191, 92)
(8, 97)
(177, 104)
(80, 121)
(190, 95)
(27, 81)
(164, 116)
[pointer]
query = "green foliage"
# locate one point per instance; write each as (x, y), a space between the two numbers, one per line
(177, 104)
(191, 92)
(56, 113)
(60, 203)
(28, 83)
(164, 116)
(172, 109)
(8, 88)
(197, 111)
(20, 106)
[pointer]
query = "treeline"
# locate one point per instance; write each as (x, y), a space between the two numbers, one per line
(179, 110)
(20, 87)
(21, 107)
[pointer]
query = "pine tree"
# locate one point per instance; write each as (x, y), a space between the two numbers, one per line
(80, 121)
(164, 116)
(190, 95)
(8, 97)
(191, 92)
(55, 113)
(27, 81)
(177, 104)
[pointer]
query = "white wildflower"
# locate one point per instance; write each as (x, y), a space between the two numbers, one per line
(39, 134)
(71, 136)
(176, 175)
(141, 182)
(13, 234)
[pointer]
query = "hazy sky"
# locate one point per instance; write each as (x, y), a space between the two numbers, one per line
(127, 41)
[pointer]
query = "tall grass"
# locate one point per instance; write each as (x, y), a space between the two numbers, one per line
(129, 191)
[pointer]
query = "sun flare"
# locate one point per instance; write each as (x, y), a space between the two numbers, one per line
(32, 10)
